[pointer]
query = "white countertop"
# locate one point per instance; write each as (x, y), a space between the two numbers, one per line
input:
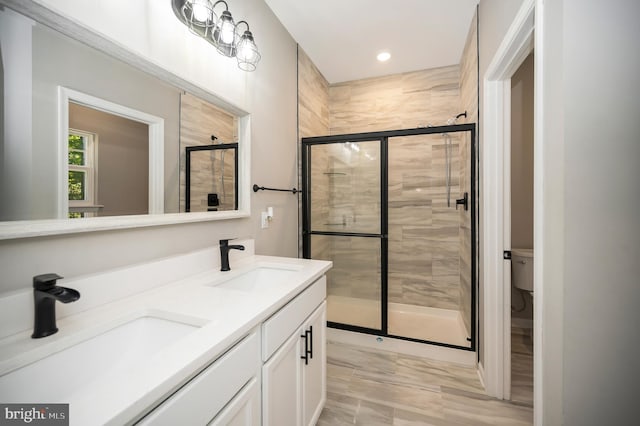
(224, 316)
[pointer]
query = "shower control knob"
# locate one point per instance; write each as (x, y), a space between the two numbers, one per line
(464, 201)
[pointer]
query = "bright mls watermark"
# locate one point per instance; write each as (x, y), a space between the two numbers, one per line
(34, 414)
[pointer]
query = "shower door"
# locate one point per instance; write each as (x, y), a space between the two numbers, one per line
(429, 262)
(344, 184)
(395, 212)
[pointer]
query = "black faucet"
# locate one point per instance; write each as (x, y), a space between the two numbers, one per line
(45, 294)
(224, 254)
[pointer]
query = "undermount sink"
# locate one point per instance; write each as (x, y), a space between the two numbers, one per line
(60, 375)
(255, 279)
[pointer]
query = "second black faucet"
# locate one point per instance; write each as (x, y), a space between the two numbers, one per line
(224, 254)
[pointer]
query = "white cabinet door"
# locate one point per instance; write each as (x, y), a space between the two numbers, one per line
(314, 384)
(244, 408)
(281, 381)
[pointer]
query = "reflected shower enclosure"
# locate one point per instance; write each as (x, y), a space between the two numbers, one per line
(211, 177)
(388, 208)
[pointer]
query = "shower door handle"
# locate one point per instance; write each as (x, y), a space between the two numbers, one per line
(463, 201)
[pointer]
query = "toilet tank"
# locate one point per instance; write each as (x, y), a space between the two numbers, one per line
(522, 268)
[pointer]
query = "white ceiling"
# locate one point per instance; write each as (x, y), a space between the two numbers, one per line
(343, 37)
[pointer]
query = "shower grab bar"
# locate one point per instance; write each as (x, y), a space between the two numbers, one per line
(257, 188)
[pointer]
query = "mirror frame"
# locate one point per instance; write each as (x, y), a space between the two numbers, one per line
(35, 228)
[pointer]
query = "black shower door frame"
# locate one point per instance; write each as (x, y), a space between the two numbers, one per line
(383, 138)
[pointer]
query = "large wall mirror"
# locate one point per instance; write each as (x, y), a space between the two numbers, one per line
(90, 142)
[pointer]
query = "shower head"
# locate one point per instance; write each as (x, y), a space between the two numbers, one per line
(453, 120)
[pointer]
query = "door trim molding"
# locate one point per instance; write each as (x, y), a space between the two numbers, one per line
(516, 45)
(156, 145)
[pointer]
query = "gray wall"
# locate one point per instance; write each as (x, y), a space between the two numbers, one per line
(58, 60)
(269, 94)
(123, 160)
(522, 174)
(522, 155)
(598, 131)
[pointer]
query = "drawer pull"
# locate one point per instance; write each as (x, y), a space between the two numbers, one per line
(305, 336)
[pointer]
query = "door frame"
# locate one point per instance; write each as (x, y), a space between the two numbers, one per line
(495, 364)
(383, 137)
(156, 145)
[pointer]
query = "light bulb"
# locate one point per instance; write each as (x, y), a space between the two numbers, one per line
(201, 11)
(383, 56)
(245, 52)
(227, 32)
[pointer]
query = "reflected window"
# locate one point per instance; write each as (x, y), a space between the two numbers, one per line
(82, 177)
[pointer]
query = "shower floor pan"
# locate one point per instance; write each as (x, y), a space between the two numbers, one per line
(416, 322)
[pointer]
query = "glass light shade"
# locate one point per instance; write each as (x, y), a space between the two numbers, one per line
(198, 15)
(224, 35)
(247, 52)
(201, 10)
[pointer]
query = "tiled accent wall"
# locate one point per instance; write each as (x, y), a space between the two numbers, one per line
(313, 120)
(423, 233)
(345, 190)
(399, 101)
(313, 99)
(198, 121)
(423, 227)
(469, 102)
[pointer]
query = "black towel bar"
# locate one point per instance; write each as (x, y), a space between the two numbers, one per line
(257, 188)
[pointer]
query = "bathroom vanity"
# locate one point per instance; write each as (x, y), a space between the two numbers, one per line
(177, 341)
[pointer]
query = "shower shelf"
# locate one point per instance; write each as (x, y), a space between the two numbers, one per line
(334, 174)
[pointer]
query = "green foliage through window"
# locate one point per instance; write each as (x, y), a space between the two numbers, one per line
(77, 150)
(76, 185)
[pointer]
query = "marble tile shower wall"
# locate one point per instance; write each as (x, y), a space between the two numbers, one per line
(313, 120)
(198, 120)
(424, 237)
(345, 188)
(469, 102)
(399, 101)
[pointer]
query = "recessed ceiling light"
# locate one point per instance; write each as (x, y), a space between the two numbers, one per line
(383, 56)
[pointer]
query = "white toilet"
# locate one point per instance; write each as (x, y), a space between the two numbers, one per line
(522, 268)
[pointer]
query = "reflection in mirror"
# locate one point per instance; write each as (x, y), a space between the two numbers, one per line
(211, 178)
(209, 140)
(34, 177)
(108, 164)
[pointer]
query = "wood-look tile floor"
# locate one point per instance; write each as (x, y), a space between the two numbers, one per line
(522, 365)
(366, 387)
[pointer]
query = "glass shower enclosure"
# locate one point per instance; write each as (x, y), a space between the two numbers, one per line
(395, 212)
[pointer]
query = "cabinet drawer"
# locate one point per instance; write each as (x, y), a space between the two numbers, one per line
(205, 395)
(279, 327)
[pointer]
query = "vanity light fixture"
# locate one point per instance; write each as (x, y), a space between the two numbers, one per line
(221, 31)
(246, 50)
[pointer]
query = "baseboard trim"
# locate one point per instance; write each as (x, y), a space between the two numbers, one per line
(481, 373)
